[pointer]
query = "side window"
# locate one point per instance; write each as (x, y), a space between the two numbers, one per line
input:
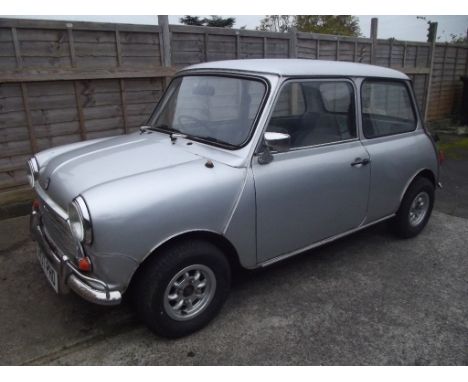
(290, 101)
(386, 108)
(315, 112)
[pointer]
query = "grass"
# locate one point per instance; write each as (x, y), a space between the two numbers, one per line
(454, 147)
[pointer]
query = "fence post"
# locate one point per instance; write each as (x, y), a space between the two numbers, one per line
(432, 41)
(238, 50)
(163, 22)
(373, 36)
(16, 45)
(293, 43)
(466, 62)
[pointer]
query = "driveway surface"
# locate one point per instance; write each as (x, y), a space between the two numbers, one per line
(368, 299)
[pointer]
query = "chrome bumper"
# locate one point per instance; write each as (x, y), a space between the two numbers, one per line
(69, 277)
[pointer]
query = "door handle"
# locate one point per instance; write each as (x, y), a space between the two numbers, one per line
(359, 161)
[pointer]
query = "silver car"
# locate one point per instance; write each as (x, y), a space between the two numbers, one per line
(242, 163)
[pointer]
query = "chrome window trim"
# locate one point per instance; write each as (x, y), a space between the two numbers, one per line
(392, 136)
(321, 145)
(295, 149)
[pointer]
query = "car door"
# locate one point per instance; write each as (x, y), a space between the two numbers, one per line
(319, 187)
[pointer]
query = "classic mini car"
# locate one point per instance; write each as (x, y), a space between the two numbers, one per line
(242, 163)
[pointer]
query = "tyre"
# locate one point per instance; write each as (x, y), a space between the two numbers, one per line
(182, 288)
(415, 208)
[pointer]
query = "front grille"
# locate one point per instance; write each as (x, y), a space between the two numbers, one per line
(57, 231)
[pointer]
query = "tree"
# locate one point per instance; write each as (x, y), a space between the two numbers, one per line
(458, 38)
(214, 21)
(343, 25)
(219, 22)
(277, 23)
(191, 20)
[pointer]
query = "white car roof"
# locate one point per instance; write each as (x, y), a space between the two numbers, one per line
(302, 67)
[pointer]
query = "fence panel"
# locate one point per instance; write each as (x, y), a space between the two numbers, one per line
(61, 82)
(450, 63)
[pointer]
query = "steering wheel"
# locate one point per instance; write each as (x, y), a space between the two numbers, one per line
(193, 121)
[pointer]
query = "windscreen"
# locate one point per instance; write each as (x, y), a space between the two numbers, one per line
(217, 109)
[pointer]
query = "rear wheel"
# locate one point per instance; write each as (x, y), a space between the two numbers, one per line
(415, 208)
(182, 288)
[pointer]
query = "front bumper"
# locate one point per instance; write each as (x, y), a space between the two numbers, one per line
(69, 277)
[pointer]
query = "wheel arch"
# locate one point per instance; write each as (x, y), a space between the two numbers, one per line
(220, 241)
(425, 173)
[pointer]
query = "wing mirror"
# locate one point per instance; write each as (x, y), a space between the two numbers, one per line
(278, 142)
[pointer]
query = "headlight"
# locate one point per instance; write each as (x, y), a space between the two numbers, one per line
(80, 220)
(33, 171)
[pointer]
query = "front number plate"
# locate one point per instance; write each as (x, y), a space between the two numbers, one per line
(49, 271)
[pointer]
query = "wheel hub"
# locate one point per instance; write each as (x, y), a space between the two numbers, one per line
(419, 208)
(189, 292)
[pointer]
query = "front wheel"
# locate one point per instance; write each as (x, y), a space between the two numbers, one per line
(415, 208)
(182, 288)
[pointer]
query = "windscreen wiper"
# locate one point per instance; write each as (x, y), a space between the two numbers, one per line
(218, 141)
(163, 127)
(176, 135)
(173, 133)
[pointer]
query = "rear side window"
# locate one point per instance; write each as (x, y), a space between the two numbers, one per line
(386, 108)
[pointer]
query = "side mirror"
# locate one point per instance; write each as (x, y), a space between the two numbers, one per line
(274, 141)
(277, 141)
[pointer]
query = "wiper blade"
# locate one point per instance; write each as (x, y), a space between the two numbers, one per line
(155, 128)
(215, 140)
(173, 133)
(163, 127)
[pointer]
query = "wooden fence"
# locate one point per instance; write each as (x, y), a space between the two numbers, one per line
(449, 63)
(62, 82)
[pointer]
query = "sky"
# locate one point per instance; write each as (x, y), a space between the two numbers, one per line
(399, 27)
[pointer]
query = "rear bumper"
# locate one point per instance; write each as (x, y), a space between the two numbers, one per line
(69, 277)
